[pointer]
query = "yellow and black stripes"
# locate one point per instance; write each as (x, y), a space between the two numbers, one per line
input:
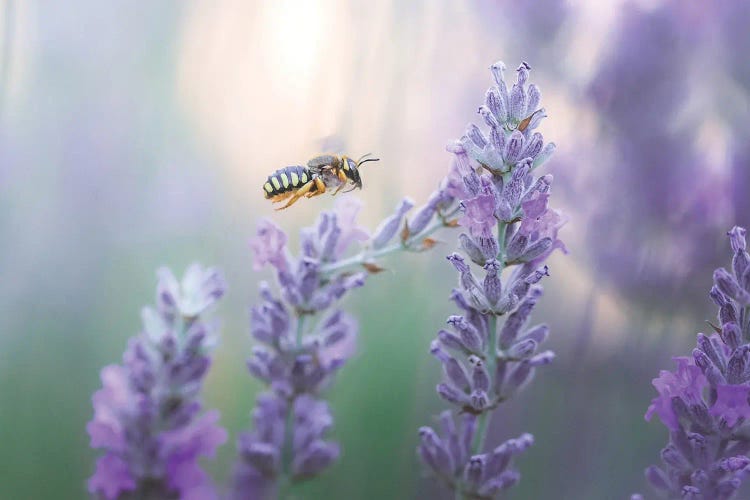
(322, 173)
(286, 180)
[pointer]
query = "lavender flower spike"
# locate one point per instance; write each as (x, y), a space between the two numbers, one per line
(704, 403)
(508, 224)
(147, 414)
(304, 340)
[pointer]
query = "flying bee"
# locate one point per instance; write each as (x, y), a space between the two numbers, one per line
(321, 173)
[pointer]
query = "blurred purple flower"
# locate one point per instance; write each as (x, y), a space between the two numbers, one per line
(484, 363)
(263, 450)
(269, 246)
(298, 358)
(654, 185)
(146, 414)
(705, 404)
(487, 474)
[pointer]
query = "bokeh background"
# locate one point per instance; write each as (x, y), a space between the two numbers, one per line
(137, 134)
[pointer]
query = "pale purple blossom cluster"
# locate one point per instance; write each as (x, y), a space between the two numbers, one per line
(508, 223)
(147, 415)
(303, 340)
(704, 402)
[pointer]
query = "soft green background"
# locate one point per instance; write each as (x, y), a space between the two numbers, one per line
(137, 134)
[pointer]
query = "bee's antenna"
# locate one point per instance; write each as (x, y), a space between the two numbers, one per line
(364, 159)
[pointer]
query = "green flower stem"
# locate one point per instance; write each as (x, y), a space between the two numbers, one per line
(368, 255)
(483, 420)
(502, 226)
(285, 481)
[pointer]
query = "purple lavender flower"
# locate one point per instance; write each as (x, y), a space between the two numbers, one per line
(654, 187)
(304, 341)
(704, 403)
(488, 474)
(509, 224)
(147, 414)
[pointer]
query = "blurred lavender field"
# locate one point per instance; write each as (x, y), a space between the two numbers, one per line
(138, 136)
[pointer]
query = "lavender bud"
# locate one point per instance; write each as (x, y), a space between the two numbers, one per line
(737, 365)
(456, 374)
(453, 341)
(479, 400)
(497, 74)
(729, 286)
(533, 146)
(727, 313)
(705, 345)
(496, 105)
(390, 226)
(424, 214)
(740, 263)
(504, 481)
(497, 140)
(513, 148)
(541, 186)
(488, 246)
(535, 250)
(731, 334)
(523, 349)
(474, 470)
(471, 249)
(315, 458)
(548, 150)
(263, 456)
(489, 117)
(534, 98)
(476, 136)
(480, 379)
(513, 190)
(516, 246)
(439, 458)
(543, 358)
(468, 333)
(492, 284)
(674, 458)
(538, 333)
(519, 377)
(711, 372)
(516, 321)
(657, 478)
(451, 395)
(737, 239)
(717, 297)
(517, 102)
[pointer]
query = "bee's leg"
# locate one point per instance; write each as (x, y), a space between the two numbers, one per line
(302, 191)
(281, 197)
(320, 188)
(343, 178)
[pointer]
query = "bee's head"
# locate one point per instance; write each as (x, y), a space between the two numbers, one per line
(353, 171)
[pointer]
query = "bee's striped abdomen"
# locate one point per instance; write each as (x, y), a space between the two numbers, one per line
(287, 179)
